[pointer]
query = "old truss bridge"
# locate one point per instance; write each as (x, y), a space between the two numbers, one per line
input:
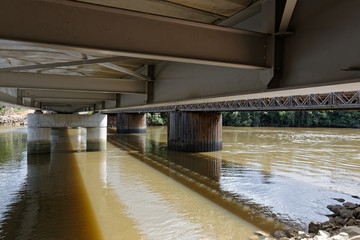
(329, 101)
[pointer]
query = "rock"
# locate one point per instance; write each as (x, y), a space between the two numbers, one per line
(356, 213)
(340, 236)
(351, 222)
(284, 238)
(344, 235)
(335, 208)
(357, 197)
(326, 225)
(339, 199)
(320, 238)
(345, 213)
(290, 232)
(279, 234)
(340, 221)
(253, 237)
(324, 233)
(302, 234)
(355, 238)
(351, 230)
(350, 205)
(261, 233)
(314, 227)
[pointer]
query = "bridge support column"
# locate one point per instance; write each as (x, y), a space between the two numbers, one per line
(131, 123)
(65, 132)
(195, 131)
(96, 139)
(38, 140)
(66, 139)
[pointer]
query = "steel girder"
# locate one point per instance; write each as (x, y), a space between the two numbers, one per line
(330, 101)
(77, 25)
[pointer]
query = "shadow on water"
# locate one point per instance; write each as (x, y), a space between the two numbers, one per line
(198, 172)
(257, 194)
(52, 204)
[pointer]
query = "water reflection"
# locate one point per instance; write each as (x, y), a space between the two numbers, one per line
(208, 166)
(138, 202)
(269, 170)
(198, 172)
(12, 164)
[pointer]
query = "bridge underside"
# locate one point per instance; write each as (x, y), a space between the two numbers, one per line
(71, 56)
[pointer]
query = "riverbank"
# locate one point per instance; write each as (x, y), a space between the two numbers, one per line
(343, 224)
(12, 117)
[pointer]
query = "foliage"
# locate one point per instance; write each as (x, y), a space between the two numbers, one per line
(328, 118)
(156, 119)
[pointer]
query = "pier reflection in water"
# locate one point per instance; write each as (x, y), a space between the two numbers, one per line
(129, 192)
(109, 195)
(289, 174)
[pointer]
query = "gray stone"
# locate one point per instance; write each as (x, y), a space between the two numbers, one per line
(339, 199)
(320, 238)
(356, 213)
(350, 205)
(314, 227)
(323, 233)
(345, 213)
(335, 208)
(279, 234)
(302, 234)
(355, 238)
(351, 230)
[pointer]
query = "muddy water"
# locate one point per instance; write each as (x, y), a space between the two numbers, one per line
(291, 174)
(138, 189)
(102, 195)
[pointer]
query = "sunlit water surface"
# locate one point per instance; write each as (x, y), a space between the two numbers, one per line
(102, 195)
(137, 189)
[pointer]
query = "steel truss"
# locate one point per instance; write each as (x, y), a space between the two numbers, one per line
(328, 101)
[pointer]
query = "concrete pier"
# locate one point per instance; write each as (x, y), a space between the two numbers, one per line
(96, 139)
(38, 140)
(66, 139)
(131, 123)
(195, 131)
(65, 132)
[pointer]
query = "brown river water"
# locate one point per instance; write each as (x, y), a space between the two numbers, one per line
(137, 189)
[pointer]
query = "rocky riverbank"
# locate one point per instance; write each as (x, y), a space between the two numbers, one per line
(13, 120)
(343, 224)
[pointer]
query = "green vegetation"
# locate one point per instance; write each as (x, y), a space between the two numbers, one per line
(156, 119)
(340, 119)
(330, 118)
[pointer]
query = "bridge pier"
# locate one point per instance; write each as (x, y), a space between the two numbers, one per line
(66, 139)
(65, 132)
(195, 131)
(131, 123)
(38, 140)
(96, 139)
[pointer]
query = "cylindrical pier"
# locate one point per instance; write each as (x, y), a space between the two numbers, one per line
(195, 131)
(131, 123)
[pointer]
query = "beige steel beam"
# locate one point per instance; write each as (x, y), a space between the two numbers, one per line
(62, 82)
(67, 95)
(77, 25)
(286, 17)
